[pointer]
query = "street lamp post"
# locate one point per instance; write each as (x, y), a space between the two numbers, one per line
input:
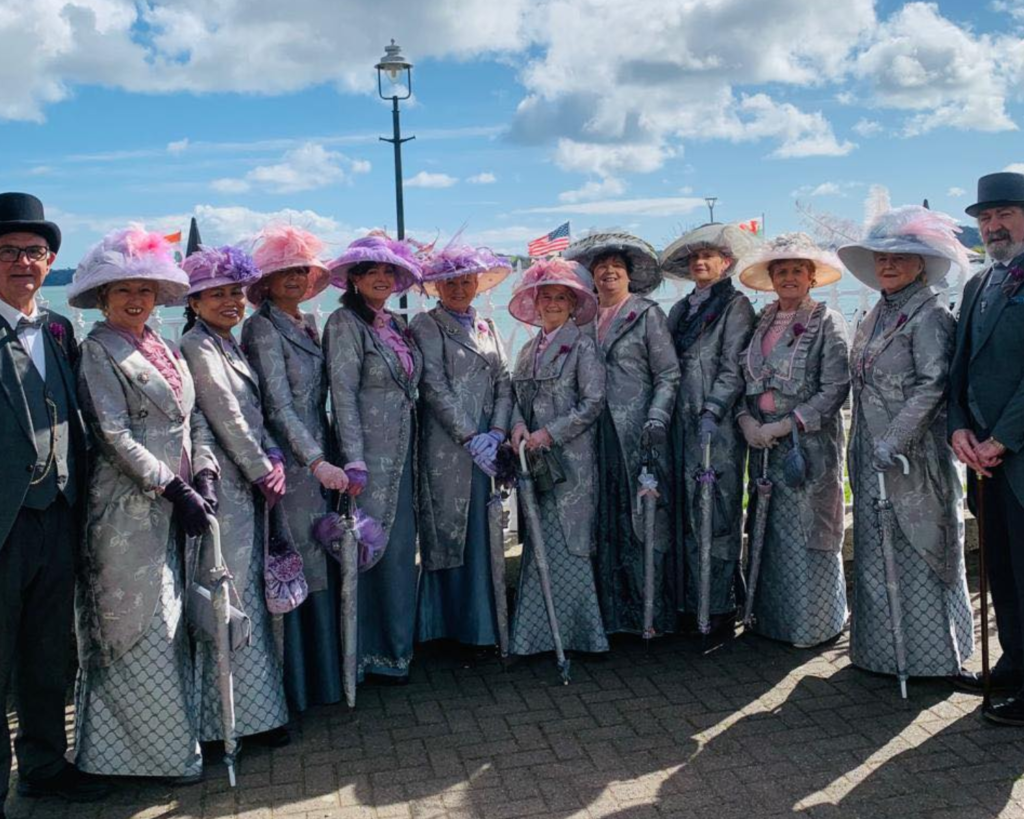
(711, 207)
(399, 72)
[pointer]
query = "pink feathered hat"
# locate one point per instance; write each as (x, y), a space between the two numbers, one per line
(212, 267)
(463, 260)
(379, 248)
(132, 253)
(523, 304)
(280, 247)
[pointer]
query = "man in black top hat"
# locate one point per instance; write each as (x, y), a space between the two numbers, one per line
(42, 475)
(986, 417)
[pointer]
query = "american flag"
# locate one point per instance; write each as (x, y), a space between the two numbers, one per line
(549, 243)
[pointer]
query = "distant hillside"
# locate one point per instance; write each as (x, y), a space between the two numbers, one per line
(59, 278)
(969, 236)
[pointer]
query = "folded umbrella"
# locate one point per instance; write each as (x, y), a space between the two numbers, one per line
(887, 525)
(220, 593)
(496, 537)
(706, 479)
(647, 495)
(763, 487)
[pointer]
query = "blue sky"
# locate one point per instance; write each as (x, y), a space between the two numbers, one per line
(526, 113)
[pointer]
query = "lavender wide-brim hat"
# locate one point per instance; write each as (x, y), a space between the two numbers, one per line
(378, 249)
(913, 230)
(131, 253)
(224, 266)
(523, 304)
(645, 275)
(284, 247)
(754, 271)
(462, 260)
(728, 239)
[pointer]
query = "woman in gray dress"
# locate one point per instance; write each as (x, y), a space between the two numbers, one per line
(797, 373)
(642, 377)
(282, 345)
(135, 705)
(466, 403)
(559, 385)
(710, 328)
(251, 480)
(374, 369)
(900, 362)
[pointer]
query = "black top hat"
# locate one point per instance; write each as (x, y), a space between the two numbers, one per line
(995, 189)
(22, 212)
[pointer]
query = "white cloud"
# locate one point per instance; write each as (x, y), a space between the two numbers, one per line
(656, 206)
(178, 147)
(40, 170)
(867, 127)
(609, 186)
(425, 179)
(1015, 167)
(308, 167)
(1015, 8)
(484, 178)
(956, 192)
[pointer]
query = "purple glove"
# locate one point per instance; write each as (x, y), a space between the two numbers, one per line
(708, 426)
(192, 512)
(484, 445)
(275, 455)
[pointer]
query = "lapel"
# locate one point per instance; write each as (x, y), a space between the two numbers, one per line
(554, 357)
(755, 358)
(142, 375)
(232, 354)
(990, 321)
(452, 330)
(391, 358)
(291, 331)
(963, 322)
(628, 315)
(878, 344)
(59, 354)
(780, 360)
(9, 380)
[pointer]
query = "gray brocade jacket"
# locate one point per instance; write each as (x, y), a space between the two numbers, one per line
(809, 372)
(713, 380)
(900, 380)
(370, 392)
(228, 394)
(642, 378)
(289, 363)
(465, 380)
(140, 431)
(564, 393)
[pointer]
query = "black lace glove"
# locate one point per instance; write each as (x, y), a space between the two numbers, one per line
(191, 511)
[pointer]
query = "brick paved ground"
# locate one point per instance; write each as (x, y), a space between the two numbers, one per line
(752, 729)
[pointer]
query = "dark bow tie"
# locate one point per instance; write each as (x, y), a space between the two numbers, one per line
(29, 324)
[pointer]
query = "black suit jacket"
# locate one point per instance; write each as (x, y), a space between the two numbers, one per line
(994, 368)
(17, 449)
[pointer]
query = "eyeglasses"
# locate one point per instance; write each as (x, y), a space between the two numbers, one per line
(34, 253)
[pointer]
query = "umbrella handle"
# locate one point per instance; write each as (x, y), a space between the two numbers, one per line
(522, 456)
(881, 476)
(764, 463)
(218, 556)
(707, 452)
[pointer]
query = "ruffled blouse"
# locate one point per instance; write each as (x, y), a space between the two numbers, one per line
(386, 330)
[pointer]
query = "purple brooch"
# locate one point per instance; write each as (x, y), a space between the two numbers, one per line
(481, 327)
(57, 331)
(798, 330)
(631, 316)
(901, 320)
(1012, 282)
(564, 349)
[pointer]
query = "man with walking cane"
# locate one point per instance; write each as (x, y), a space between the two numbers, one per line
(986, 423)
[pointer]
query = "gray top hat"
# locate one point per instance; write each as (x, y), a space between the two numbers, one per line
(1004, 188)
(23, 213)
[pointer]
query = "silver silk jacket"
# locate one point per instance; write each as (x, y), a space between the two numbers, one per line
(140, 431)
(564, 393)
(712, 380)
(642, 378)
(900, 380)
(809, 371)
(228, 393)
(289, 365)
(373, 403)
(466, 381)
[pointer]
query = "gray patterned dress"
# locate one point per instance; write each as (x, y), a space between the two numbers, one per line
(136, 710)
(900, 361)
(563, 392)
(800, 596)
(227, 392)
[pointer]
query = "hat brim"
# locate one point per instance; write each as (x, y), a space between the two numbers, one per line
(220, 281)
(523, 306)
(406, 277)
(756, 275)
(48, 230)
(646, 273)
(736, 243)
(168, 292)
(860, 261)
(486, 280)
(319, 279)
(978, 207)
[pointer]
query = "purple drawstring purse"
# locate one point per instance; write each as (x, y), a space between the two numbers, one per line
(284, 584)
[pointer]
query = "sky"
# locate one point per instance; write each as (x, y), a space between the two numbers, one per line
(526, 113)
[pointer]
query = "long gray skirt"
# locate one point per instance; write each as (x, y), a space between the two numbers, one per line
(260, 703)
(573, 590)
(938, 623)
(801, 591)
(137, 716)
(387, 593)
(458, 604)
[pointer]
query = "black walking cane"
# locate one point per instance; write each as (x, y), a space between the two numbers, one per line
(986, 676)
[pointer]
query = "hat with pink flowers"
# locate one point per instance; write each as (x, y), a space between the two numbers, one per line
(523, 304)
(283, 247)
(131, 253)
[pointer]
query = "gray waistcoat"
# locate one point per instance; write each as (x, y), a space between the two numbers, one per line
(44, 419)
